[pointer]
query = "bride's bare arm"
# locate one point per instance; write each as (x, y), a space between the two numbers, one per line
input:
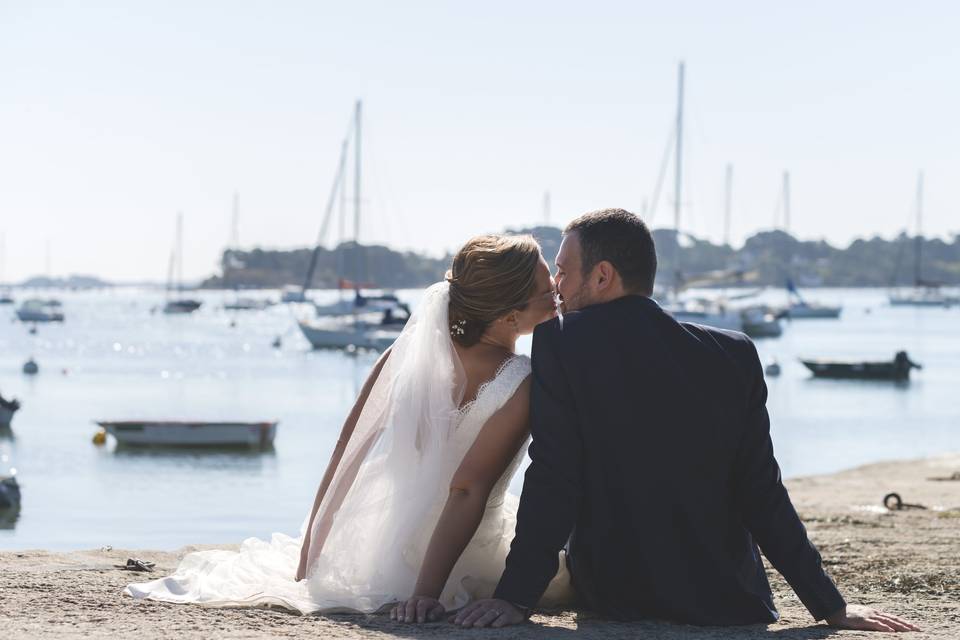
(483, 465)
(337, 455)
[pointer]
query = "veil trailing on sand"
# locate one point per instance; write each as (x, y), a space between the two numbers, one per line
(372, 529)
(368, 535)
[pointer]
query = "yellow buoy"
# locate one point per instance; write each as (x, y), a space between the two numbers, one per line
(100, 438)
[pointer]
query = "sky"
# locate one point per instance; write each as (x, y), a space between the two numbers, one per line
(115, 116)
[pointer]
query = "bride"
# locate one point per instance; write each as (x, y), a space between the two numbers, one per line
(413, 513)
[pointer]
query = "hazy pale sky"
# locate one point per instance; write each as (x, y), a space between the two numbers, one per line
(116, 115)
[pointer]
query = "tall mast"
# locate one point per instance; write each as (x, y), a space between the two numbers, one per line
(678, 154)
(356, 174)
(546, 208)
(726, 205)
(339, 184)
(235, 225)
(918, 254)
(678, 185)
(786, 201)
(179, 251)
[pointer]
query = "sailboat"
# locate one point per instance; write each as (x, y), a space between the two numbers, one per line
(371, 322)
(700, 311)
(178, 305)
(232, 262)
(924, 293)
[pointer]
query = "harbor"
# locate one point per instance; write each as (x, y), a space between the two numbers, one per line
(114, 360)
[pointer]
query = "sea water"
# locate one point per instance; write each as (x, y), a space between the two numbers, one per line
(115, 358)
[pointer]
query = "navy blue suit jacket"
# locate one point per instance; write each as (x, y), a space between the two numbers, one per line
(651, 454)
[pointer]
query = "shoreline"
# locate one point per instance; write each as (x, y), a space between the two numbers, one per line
(906, 562)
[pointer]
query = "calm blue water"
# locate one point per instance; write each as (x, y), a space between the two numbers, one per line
(114, 359)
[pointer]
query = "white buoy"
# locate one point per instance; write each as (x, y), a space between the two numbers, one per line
(30, 367)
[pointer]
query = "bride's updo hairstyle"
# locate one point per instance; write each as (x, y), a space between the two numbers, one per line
(490, 276)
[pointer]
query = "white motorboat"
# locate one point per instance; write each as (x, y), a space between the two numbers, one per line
(804, 310)
(37, 310)
(922, 297)
(162, 433)
(360, 303)
(760, 322)
(797, 308)
(707, 313)
(368, 331)
(247, 304)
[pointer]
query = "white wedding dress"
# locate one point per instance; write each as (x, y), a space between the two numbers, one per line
(408, 442)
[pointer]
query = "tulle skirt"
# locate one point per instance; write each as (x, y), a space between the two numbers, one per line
(261, 574)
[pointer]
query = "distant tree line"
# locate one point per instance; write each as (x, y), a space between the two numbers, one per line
(768, 258)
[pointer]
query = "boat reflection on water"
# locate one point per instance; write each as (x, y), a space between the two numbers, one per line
(9, 517)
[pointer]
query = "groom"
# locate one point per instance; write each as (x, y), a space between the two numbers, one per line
(651, 455)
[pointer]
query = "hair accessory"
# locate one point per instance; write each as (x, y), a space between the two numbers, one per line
(456, 329)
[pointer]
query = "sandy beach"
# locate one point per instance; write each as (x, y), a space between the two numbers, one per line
(905, 561)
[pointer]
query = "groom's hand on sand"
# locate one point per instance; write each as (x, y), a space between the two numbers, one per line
(856, 616)
(489, 613)
(418, 609)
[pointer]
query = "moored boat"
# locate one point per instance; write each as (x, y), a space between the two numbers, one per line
(36, 310)
(897, 369)
(181, 306)
(799, 309)
(247, 304)
(191, 433)
(344, 332)
(7, 409)
(9, 492)
(760, 322)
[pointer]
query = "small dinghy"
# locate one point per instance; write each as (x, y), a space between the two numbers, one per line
(9, 492)
(160, 433)
(7, 409)
(897, 369)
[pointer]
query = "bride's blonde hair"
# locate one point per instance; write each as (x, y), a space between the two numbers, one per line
(490, 276)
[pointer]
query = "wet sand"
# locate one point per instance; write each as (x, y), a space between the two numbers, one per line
(906, 562)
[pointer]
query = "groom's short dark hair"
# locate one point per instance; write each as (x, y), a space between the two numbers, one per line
(622, 239)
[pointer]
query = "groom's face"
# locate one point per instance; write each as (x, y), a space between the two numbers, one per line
(571, 284)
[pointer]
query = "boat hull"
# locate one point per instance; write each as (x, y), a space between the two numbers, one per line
(811, 312)
(181, 306)
(39, 316)
(348, 335)
(6, 416)
(9, 492)
(857, 371)
(192, 434)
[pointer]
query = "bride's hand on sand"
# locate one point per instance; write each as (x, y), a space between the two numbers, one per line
(418, 609)
(856, 616)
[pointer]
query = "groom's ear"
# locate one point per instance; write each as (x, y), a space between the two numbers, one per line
(604, 275)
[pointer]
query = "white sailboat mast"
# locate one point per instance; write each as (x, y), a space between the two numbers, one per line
(678, 154)
(727, 201)
(356, 173)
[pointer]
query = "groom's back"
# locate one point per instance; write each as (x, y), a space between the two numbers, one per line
(662, 409)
